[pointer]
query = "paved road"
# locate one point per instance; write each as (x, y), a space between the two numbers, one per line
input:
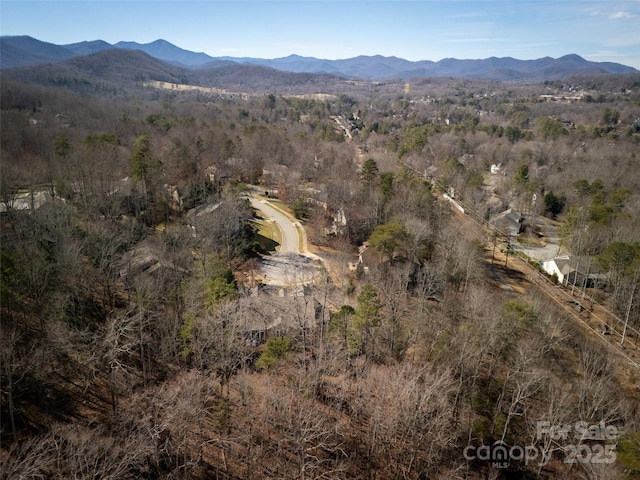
(292, 264)
(289, 241)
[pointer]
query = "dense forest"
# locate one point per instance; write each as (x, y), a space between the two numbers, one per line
(141, 337)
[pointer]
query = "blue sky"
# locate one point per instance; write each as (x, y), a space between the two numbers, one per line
(334, 29)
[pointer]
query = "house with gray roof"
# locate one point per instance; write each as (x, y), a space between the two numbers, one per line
(575, 270)
(509, 222)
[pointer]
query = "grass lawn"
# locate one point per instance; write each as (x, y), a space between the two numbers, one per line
(268, 235)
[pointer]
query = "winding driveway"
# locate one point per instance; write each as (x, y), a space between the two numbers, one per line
(292, 264)
(290, 240)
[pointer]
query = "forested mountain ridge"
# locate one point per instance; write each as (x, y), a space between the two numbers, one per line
(144, 336)
(23, 51)
(116, 69)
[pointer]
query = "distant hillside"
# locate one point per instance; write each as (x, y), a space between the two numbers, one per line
(96, 71)
(87, 48)
(114, 68)
(260, 78)
(23, 51)
(168, 52)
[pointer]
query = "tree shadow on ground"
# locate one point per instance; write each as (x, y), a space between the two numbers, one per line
(264, 245)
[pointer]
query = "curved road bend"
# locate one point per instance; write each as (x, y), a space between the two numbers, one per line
(291, 264)
(289, 242)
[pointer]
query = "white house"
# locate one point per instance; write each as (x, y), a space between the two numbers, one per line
(575, 271)
(559, 266)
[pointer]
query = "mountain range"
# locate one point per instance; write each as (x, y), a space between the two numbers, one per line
(20, 51)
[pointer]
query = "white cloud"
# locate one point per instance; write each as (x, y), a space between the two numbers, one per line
(613, 56)
(620, 15)
(606, 54)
